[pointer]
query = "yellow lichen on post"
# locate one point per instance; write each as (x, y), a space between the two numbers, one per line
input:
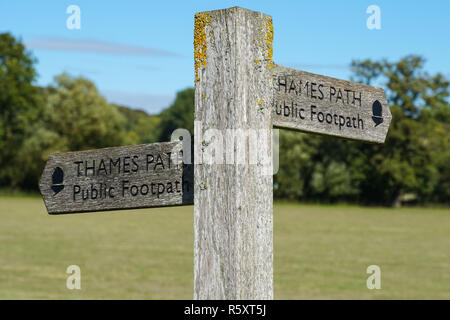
(265, 41)
(201, 21)
(260, 106)
(269, 41)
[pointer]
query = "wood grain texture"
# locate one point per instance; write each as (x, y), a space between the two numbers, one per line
(233, 222)
(141, 176)
(313, 103)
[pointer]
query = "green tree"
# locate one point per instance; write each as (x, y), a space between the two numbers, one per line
(412, 160)
(140, 126)
(314, 168)
(19, 105)
(295, 163)
(81, 116)
(179, 115)
(75, 117)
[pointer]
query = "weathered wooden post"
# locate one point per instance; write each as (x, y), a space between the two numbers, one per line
(233, 207)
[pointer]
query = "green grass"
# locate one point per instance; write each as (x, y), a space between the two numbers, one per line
(320, 252)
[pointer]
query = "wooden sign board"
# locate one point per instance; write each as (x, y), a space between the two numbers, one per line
(313, 103)
(141, 176)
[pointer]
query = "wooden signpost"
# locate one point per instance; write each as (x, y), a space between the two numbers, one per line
(141, 176)
(238, 87)
(233, 238)
(314, 103)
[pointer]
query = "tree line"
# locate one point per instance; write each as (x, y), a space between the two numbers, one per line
(70, 114)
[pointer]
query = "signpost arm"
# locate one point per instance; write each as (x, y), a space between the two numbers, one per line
(233, 208)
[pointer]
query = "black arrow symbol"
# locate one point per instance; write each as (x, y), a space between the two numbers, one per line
(57, 180)
(377, 113)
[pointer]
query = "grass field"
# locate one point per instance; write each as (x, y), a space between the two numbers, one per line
(320, 252)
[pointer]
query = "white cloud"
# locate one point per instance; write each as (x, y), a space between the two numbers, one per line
(95, 46)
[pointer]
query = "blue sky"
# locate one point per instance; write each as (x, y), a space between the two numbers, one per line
(140, 53)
